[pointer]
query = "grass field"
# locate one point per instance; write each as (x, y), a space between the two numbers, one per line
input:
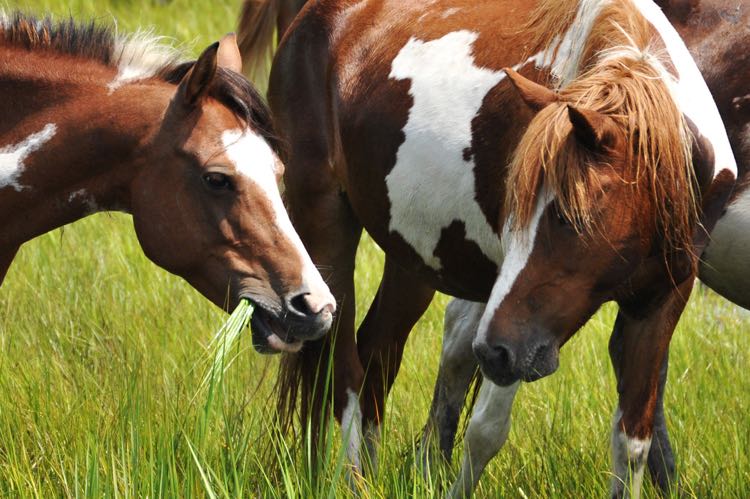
(102, 356)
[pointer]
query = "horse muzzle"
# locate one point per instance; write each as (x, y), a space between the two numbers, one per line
(504, 363)
(304, 317)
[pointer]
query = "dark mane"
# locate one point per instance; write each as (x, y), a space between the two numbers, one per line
(97, 42)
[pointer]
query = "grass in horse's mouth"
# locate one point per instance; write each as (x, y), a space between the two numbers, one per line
(223, 341)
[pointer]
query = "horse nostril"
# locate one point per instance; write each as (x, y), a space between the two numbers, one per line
(309, 305)
(503, 355)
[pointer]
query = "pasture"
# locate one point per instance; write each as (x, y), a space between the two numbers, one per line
(102, 355)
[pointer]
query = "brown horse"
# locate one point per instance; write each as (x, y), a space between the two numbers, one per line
(546, 203)
(95, 121)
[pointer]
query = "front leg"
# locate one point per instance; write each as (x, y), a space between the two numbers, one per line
(638, 364)
(488, 429)
(400, 302)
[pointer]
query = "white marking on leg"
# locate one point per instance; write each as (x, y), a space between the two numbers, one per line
(518, 245)
(487, 432)
(12, 157)
(690, 91)
(351, 428)
(431, 180)
(629, 456)
(254, 159)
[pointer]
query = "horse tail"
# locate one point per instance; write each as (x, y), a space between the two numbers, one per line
(257, 25)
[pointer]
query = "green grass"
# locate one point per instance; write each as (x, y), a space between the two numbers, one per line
(102, 356)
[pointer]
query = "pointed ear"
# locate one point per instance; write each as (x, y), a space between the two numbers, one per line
(195, 84)
(536, 96)
(594, 130)
(229, 54)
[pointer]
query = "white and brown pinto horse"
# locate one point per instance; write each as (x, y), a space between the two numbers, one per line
(93, 121)
(718, 35)
(489, 186)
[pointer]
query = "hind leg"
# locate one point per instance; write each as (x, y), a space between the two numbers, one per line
(457, 368)
(400, 302)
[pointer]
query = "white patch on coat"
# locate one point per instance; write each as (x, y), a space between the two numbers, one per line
(724, 264)
(690, 90)
(629, 456)
(139, 56)
(351, 428)
(254, 159)
(12, 157)
(431, 185)
(518, 245)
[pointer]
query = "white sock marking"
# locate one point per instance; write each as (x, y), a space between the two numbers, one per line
(351, 428)
(12, 157)
(629, 457)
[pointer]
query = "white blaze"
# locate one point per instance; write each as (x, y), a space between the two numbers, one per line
(255, 160)
(518, 245)
(12, 157)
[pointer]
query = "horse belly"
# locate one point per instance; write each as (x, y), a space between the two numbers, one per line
(725, 264)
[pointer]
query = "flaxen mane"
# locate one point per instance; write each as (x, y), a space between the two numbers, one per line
(142, 54)
(622, 78)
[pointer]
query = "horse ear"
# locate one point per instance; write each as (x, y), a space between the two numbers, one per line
(195, 84)
(536, 96)
(229, 54)
(594, 130)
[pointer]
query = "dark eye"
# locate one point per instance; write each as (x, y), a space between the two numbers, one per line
(217, 181)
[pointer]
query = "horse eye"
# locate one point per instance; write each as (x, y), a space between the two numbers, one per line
(561, 219)
(217, 181)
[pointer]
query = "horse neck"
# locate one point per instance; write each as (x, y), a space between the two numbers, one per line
(76, 148)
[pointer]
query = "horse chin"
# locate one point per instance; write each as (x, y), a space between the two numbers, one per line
(269, 334)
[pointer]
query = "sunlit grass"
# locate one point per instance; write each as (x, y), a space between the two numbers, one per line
(103, 355)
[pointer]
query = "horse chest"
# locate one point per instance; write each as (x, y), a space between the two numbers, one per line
(432, 188)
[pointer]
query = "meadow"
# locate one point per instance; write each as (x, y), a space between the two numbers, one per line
(102, 356)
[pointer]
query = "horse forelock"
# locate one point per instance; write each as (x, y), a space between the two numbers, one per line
(625, 80)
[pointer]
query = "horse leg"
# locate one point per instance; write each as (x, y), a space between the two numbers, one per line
(288, 10)
(487, 431)
(400, 302)
(639, 360)
(660, 462)
(457, 368)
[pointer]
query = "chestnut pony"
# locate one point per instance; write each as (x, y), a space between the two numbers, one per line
(492, 187)
(95, 121)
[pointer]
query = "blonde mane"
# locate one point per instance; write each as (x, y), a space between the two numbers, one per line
(624, 79)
